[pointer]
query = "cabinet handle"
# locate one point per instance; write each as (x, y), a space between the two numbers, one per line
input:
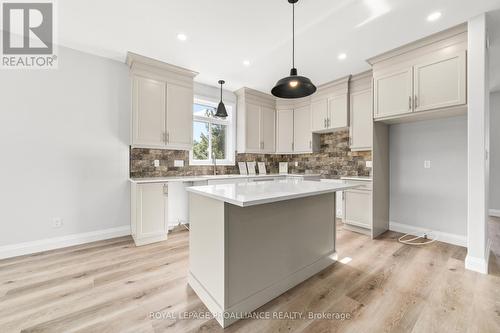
(293, 146)
(416, 102)
(310, 144)
(324, 122)
(328, 122)
(409, 103)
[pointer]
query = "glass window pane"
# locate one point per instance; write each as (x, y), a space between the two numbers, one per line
(219, 141)
(200, 140)
(204, 110)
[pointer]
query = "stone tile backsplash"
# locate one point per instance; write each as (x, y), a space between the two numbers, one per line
(334, 159)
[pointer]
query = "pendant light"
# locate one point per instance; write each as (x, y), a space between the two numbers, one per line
(293, 86)
(221, 109)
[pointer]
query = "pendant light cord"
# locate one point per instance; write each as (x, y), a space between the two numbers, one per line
(293, 35)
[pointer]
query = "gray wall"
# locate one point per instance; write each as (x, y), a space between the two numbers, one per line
(495, 151)
(64, 138)
(434, 198)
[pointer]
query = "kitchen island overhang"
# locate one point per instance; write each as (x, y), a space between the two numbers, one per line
(251, 242)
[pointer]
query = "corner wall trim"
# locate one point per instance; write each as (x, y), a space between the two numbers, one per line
(441, 236)
(479, 265)
(494, 212)
(19, 249)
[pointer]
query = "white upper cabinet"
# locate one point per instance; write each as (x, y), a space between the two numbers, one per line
(284, 131)
(179, 115)
(330, 106)
(339, 112)
(268, 129)
(256, 122)
(302, 135)
(440, 82)
(253, 141)
(319, 114)
(148, 112)
(393, 93)
(361, 111)
(162, 104)
(427, 75)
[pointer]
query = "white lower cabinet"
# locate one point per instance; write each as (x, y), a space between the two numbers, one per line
(358, 207)
(149, 213)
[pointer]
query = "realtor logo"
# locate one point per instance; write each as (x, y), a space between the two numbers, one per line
(28, 35)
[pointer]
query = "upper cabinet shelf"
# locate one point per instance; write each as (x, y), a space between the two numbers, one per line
(162, 104)
(423, 79)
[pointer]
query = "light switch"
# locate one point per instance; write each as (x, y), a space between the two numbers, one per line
(156, 163)
(427, 164)
(179, 163)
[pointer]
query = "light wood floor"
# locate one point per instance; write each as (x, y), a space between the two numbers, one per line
(112, 286)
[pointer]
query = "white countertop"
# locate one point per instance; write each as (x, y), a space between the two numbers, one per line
(363, 178)
(207, 177)
(257, 193)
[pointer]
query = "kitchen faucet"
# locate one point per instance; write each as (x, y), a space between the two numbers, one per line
(215, 163)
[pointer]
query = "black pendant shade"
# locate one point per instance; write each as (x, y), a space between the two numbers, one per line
(221, 109)
(293, 86)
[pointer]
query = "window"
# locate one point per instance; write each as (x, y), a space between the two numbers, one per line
(212, 136)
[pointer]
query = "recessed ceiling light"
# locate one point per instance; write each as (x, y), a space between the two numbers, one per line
(246, 62)
(182, 37)
(342, 56)
(434, 16)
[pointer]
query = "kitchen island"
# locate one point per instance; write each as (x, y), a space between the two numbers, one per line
(250, 242)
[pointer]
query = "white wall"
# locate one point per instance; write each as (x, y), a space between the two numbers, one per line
(435, 198)
(64, 138)
(495, 153)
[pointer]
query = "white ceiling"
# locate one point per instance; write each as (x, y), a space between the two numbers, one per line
(223, 33)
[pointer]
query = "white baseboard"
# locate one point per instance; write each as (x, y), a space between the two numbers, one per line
(441, 236)
(494, 212)
(20, 249)
(479, 264)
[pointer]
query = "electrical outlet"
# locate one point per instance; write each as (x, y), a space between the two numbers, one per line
(57, 222)
(156, 163)
(427, 164)
(179, 163)
(369, 164)
(296, 164)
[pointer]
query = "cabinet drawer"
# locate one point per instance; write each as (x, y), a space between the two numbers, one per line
(364, 185)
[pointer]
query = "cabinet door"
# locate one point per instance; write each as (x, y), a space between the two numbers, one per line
(151, 217)
(253, 142)
(338, 116)
(179, 116)
(284, 134)
(319, 114)
(302, 135)
(148, 109)
(357, 208)
(268, 130)
(440, 83)
(393, 93)
(361, 120)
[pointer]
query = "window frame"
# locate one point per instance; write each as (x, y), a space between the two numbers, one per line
(230, 124)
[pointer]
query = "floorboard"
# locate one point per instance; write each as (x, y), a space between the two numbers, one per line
(381, 285)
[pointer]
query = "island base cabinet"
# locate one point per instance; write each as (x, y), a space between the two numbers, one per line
(242, 257)
(149, 213)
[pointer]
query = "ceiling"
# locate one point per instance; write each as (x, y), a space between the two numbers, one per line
(221, 34)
